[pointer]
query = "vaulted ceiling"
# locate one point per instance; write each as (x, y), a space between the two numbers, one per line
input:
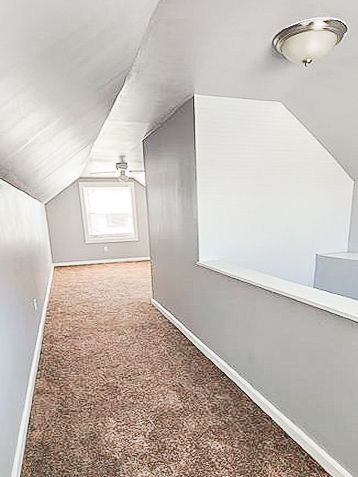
(224, 48)
(63, 64)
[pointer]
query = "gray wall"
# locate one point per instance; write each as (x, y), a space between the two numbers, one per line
(353, 236)
(302, 359)
(67, 236)
(340, 274)
(337, 275)
(25, 265)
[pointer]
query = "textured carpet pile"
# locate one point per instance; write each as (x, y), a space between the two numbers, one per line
(121, 393)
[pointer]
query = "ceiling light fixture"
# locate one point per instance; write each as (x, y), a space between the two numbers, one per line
(309, 40)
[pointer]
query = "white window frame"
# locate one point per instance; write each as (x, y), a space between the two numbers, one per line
(107, 238)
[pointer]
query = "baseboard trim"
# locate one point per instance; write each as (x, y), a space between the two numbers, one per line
(25, 418)
(95, 262)
(309, 445)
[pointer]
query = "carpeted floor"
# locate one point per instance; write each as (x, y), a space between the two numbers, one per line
(121, 393)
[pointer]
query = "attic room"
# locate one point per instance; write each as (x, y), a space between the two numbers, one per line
(178, 238)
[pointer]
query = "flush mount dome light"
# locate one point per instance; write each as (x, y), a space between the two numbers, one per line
(309, 40)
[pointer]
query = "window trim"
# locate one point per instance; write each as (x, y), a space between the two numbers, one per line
(107, 238)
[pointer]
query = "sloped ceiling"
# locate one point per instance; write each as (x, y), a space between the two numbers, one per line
(114, 139)
(62, 65)
(224, 48)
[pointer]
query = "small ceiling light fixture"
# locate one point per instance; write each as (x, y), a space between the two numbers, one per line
(309, 40)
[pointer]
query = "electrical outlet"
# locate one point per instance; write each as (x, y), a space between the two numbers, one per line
(105, 248)
(35, 305)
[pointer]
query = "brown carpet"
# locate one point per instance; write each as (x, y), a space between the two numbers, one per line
(121, 393)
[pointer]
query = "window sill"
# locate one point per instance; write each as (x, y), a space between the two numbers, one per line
(111, 240)
(339, 305)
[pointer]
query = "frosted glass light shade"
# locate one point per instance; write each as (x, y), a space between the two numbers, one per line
(308, 45)
(309, 40)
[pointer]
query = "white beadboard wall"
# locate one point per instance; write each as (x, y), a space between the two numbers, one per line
(270, 197)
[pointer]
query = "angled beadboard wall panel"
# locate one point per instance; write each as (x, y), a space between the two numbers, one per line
(67, 236)
(302, 359)
(279, 198)
(25, 266)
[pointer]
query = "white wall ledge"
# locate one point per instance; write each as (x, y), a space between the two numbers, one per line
(339, 305)
(340, 255)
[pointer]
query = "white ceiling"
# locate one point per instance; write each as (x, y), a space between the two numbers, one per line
(224, 48)
(62, 65)
(115, 139)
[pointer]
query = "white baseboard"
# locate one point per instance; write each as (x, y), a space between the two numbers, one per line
(109, 260)
(320, 455)
(25, 418)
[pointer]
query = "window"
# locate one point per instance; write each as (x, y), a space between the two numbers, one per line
(108, 211)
